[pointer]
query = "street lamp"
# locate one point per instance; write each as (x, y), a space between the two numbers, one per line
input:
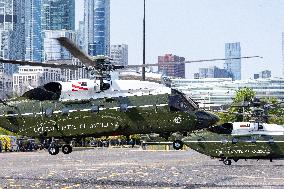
(143, 68)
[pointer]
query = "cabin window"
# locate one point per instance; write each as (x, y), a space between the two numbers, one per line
(65, 111)
(48, 112)
(176, 103)
(234, 141)
(123, 107)
(95, 109)
(271, 140)
(224, 141)
(84, 84)
(253, 140)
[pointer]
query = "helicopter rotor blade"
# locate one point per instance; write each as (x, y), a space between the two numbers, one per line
(189, 62)
(76, 52)
(49, 64)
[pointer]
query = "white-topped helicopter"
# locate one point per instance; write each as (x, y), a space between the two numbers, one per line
(100, 106)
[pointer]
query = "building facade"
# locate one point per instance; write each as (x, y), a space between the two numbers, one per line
(175, 65)
(212, 72)
(12, 32)
(33, 34)
(119, 54)
(215, 92)
(283, 52)
(58, 14)
(97, 27)
(6, 85)
(33, 76)
(80, 35)
(52, 50)
(233, 50)
(263, 74)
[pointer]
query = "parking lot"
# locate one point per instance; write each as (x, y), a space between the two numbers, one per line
(134, 168)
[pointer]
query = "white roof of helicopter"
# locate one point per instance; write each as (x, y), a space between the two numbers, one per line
(117, 88)
(248, 128)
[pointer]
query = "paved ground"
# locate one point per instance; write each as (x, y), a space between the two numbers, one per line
(128, 168)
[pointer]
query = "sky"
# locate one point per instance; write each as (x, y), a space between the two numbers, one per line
(199, 29)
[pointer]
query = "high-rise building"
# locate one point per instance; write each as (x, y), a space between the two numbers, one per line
(233, 50)
(58, 14)
(263, 74)
(33, 38)
(80, 35)
(6, 85)
(213, 72)
(52, 49)
(12, 30)
(283, 51)
(119, 54)
(97, 27)
(175, 65)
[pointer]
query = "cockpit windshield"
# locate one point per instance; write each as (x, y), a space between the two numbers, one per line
(180, 102)
(225, 128)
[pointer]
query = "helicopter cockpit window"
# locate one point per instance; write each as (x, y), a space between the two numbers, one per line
(180, 102)
(225, 128)
(48, 112)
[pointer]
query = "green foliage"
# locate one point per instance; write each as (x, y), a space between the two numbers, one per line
(5, 132)
(276, 113)
(244, 95)
(236, 113)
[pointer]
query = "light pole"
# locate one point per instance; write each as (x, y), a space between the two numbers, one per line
(143, 68)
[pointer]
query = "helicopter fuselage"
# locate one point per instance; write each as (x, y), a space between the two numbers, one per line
(243, 141)
(100, 117)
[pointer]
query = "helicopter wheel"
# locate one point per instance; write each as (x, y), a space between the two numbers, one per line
(227, 161)
(177, 144)
(66, 149)
(53, 150)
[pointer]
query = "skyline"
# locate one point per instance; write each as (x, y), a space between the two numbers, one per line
(203, 28)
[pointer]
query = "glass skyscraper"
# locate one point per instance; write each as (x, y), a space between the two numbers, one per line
(33, 30)
(12, 32)
(283, 52)
(58, 20)
(97, 27)
(58, 14)
(233, 50)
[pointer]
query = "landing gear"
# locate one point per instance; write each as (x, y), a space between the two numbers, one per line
(177, 144)
(66, 149)
(53, 149)
(227, 161)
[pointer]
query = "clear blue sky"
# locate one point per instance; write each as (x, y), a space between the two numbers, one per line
(198, 29)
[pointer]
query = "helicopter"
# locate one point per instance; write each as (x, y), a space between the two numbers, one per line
(255, 139)
(99, 106)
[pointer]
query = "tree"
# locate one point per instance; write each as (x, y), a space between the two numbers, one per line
(235, 112)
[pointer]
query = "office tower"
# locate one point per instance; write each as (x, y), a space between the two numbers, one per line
(52, 49)
(12, 32)
(283, 51)
(58, 20)
(213, 72)
(233, 50)
(80, 35)
(119, 54)
(97, 27)
(33, 30)
(58, 14)
(176, 68)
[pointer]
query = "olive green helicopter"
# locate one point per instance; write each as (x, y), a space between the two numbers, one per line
(254, 139)
(100, 106)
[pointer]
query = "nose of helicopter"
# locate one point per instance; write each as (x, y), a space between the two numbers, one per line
(205, 119)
